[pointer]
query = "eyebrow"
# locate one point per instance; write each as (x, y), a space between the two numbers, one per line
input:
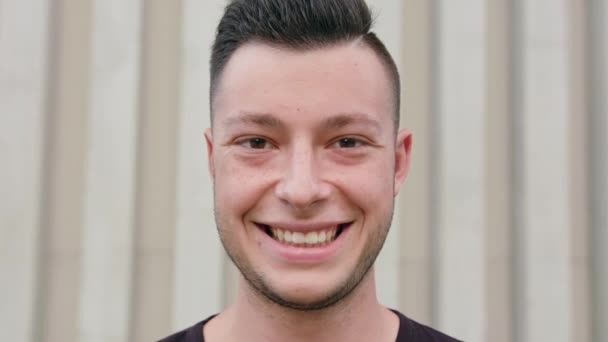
(258, 119)
(345, 119)
(336, 121)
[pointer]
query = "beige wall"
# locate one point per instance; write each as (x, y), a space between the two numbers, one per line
(106, 221)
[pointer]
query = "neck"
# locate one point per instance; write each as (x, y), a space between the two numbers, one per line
(252, 317)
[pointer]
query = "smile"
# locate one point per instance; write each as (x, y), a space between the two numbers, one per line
(300, 238)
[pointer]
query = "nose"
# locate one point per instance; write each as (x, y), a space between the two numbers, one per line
(300, 186)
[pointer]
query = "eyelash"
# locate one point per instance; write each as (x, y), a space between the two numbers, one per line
(358, 143)
(243, 141)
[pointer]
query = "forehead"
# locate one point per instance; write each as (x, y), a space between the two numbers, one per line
(345, 78)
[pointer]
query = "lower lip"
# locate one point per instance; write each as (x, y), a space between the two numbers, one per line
(307, 255)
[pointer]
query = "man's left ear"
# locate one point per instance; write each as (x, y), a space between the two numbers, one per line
(209, 140)
(403, 152)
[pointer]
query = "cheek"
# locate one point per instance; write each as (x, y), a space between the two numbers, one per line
(369, 184)
(239, 186)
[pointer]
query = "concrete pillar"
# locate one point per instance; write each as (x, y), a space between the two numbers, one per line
(154, 260)
(598, 101)
(417, 206)
(499, 174)
(110, 173)
(61, 249)
(544, 209)
(461, 106)
(23, 80)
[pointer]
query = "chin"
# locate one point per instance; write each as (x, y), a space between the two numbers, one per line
(304, 299)
(305, 292)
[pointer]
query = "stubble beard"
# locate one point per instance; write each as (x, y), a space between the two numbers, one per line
(258, 282)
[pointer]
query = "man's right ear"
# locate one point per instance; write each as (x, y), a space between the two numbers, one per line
(209, 140)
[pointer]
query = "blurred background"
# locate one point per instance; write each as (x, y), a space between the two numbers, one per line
(106, 222)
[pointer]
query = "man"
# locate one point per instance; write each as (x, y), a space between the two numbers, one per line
(306, 158)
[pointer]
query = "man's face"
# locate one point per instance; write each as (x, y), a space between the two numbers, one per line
(306, 165)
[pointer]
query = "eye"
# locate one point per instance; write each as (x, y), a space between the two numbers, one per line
(255, 143)
(349, 142)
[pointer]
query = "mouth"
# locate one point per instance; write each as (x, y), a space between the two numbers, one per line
(314, 238)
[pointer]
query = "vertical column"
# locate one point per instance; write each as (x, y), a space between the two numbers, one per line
(110, 170)
(498, 182)
(388, 27)
(580, 299)
(153, 283)
(462, 67)
(598, 127)
(198, 256)
(546, 214)
(23, 71)
(61, 239)
(417, 205)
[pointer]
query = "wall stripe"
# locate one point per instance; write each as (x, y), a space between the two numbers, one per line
(598, 185)
(578, 120)
(23, 71)
(461, 99)
(498, 220)
(61, 250)
(110, 171)
(547, 215)
(518, 251)
(416, 206)
(152, 311)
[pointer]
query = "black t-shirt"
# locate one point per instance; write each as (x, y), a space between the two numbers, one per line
(409, 331)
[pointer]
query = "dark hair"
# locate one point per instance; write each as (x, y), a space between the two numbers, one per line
(297, 24)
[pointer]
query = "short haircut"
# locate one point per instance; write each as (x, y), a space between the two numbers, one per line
(299, 25)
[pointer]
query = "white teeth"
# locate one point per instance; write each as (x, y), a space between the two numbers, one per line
(312, 238)
(279, 234)
(299, 238)
(322, 237)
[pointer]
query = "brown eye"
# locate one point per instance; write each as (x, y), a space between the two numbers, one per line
(348, 143)
(255, 143)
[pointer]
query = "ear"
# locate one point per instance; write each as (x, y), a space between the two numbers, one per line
(209, 141)
(403, 152)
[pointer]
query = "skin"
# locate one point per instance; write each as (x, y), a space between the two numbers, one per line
(305, 137)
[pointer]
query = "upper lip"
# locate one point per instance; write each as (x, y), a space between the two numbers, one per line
(303, 227)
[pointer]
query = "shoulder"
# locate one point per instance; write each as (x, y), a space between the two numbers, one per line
(412, 331)
(191, 334)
